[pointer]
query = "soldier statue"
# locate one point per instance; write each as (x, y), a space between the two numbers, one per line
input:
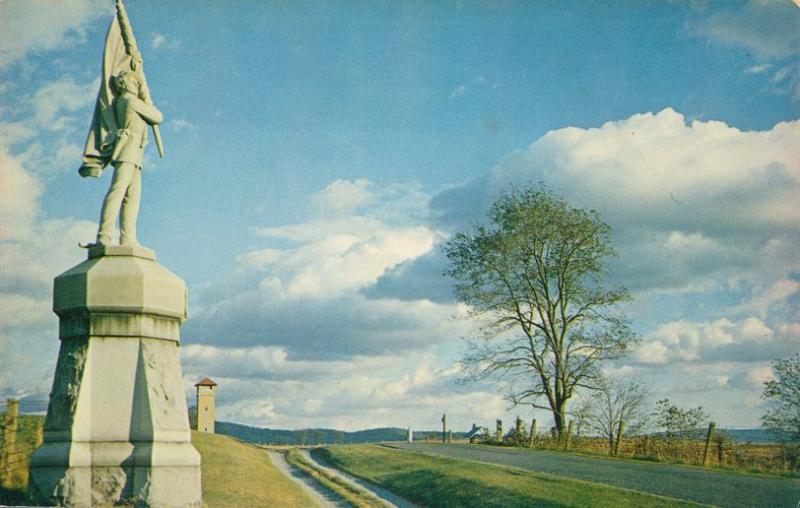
(129, 140)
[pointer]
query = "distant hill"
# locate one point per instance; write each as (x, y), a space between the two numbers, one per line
(751, 435)
(321, 436)
(260, 435)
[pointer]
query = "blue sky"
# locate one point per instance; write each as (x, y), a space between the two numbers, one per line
(318, 154)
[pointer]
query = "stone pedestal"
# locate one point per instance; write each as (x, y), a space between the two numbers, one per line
(117, 429)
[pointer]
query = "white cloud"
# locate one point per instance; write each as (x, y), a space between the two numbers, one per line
(13, 133)
(180, 125)
(19, 198)
(770, 30)
(62, 95)
(343, 197)
(757, 376)
(339, 262)
(758, 69)
(659, 163)
(700, 343)
(40, 25)
(766, 297)
(32, 252)
(158, 41)
(363, 392)
(310, 295)
(691, 204)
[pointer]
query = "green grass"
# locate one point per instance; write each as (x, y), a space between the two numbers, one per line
(239, 474)
(438, 481)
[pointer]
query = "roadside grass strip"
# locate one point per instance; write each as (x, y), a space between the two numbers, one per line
(353, 494)
(239, 474)
(438, 481)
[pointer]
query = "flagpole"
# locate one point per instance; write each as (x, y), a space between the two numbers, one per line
(136, 61)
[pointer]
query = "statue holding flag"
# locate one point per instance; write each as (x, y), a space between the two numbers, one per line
(118, 133)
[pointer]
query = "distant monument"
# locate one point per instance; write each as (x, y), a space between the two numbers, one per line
(117, 430)
(206, 407)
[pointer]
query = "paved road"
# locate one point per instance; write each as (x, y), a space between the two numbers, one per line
(703, 486)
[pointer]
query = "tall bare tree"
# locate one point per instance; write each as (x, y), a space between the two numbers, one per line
(616, 408)
(535, 276)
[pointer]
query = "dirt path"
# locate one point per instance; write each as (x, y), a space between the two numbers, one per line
(323, 496)
(389, 498)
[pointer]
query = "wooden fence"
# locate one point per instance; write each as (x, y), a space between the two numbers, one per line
(19, 437)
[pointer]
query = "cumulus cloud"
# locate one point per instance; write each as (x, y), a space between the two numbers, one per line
(690, 202)
(19, 198)
(698, 208)
(311, 294)
(31, 253)
(757, 376)
(362, 392)
(766, 297)
(343, 197)
(62, 95)
(723, 340)
(39, 25)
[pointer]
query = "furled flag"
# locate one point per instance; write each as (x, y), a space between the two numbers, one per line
(120, 53)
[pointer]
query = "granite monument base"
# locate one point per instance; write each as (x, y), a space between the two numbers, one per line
(117, 428)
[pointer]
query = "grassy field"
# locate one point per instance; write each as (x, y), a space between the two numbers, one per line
(436, 481)
(238, 474)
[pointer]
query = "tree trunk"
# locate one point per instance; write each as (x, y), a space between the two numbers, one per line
(560, 416)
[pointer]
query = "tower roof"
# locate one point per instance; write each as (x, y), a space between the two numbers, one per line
(206, 382)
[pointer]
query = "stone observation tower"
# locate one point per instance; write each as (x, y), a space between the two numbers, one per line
(206, 408)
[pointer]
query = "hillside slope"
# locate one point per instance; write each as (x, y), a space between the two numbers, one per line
(238, 474)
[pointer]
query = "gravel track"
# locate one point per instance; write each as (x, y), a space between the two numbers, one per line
(388, 497)
(706, 486)
(323, 496)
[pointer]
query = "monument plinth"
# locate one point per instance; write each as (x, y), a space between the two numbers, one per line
(117, 427)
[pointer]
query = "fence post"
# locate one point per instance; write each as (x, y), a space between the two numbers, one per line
(499, 430)
(620, 430)
(444, 428)
(450, 436)
(711, 427)
(8, 452)
(39, 435)
(533, 432)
